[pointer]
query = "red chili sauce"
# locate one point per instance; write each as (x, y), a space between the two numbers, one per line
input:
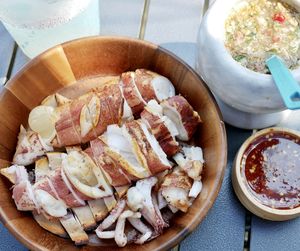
(271, 166)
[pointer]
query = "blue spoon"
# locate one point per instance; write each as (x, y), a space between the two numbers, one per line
(286, 84)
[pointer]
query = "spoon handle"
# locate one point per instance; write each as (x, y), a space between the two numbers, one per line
(285, 82)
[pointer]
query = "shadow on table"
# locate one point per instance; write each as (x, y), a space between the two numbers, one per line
(224, 226)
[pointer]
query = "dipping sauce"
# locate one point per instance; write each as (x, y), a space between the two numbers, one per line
(257, 29)
(271, 168)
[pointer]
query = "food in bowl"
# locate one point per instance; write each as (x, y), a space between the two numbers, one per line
(118, 155)
(271, 168)
(266, 173)
(257, 29)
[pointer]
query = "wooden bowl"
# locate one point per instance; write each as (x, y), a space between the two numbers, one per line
(62, 66)
(243, 191)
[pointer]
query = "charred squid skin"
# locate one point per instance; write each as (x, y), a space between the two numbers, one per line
(177, 108)
(117, 176)
(131, 93)
(143, 148)
(143, 80)
(169, 145)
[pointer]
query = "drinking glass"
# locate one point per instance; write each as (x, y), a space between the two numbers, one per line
(37, 25)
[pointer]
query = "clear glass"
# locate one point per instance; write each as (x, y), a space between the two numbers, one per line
(37, 25)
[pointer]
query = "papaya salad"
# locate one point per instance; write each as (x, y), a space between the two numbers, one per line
(257, 29)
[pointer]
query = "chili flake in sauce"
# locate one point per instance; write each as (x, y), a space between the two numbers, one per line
(271, 168)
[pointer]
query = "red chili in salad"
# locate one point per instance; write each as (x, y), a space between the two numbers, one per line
(279, 17)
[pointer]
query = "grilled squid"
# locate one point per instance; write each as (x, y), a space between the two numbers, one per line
(182, 115)
(114, 173)
(163, 129)
(175, 189)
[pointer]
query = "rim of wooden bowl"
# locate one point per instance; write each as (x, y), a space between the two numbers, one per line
(242, 191)
(187, 229)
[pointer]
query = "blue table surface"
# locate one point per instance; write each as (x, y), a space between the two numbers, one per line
(224, 227)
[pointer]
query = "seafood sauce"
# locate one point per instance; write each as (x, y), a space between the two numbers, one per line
(271, 168)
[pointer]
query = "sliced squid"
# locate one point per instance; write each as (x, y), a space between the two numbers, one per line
(195, 189)
(161, 127)
(64, 189)
(120, 148)
(94, 110)
(114, 171)
(143, 83)
(175, 189)
(112, 217)
(52, 206)
(85, 214)
(55, 100)
(50, 101)
(58, 186)
(98, 208)
(110, 202)
(153, 85)
(127, 114)
(139, 225)
(30, 146)
(41, 168)
(61, 100)
(191, 161)
(131, 93)
(146, 147)
(106, 234)
(52, 225)
(74, 229)
(15, 173)
(86, 123)
(55, 159)
(89, 116)
(161, 201)
(135, 199)
(143, 238)
(24, 197)
(120, 236)
(81, 117)
(150, 210)
(66, 131)
(42, 120)
(85, 217)
(181, 113)
(46, 185)
(85, 175)
(115, 101)
(121, 190)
